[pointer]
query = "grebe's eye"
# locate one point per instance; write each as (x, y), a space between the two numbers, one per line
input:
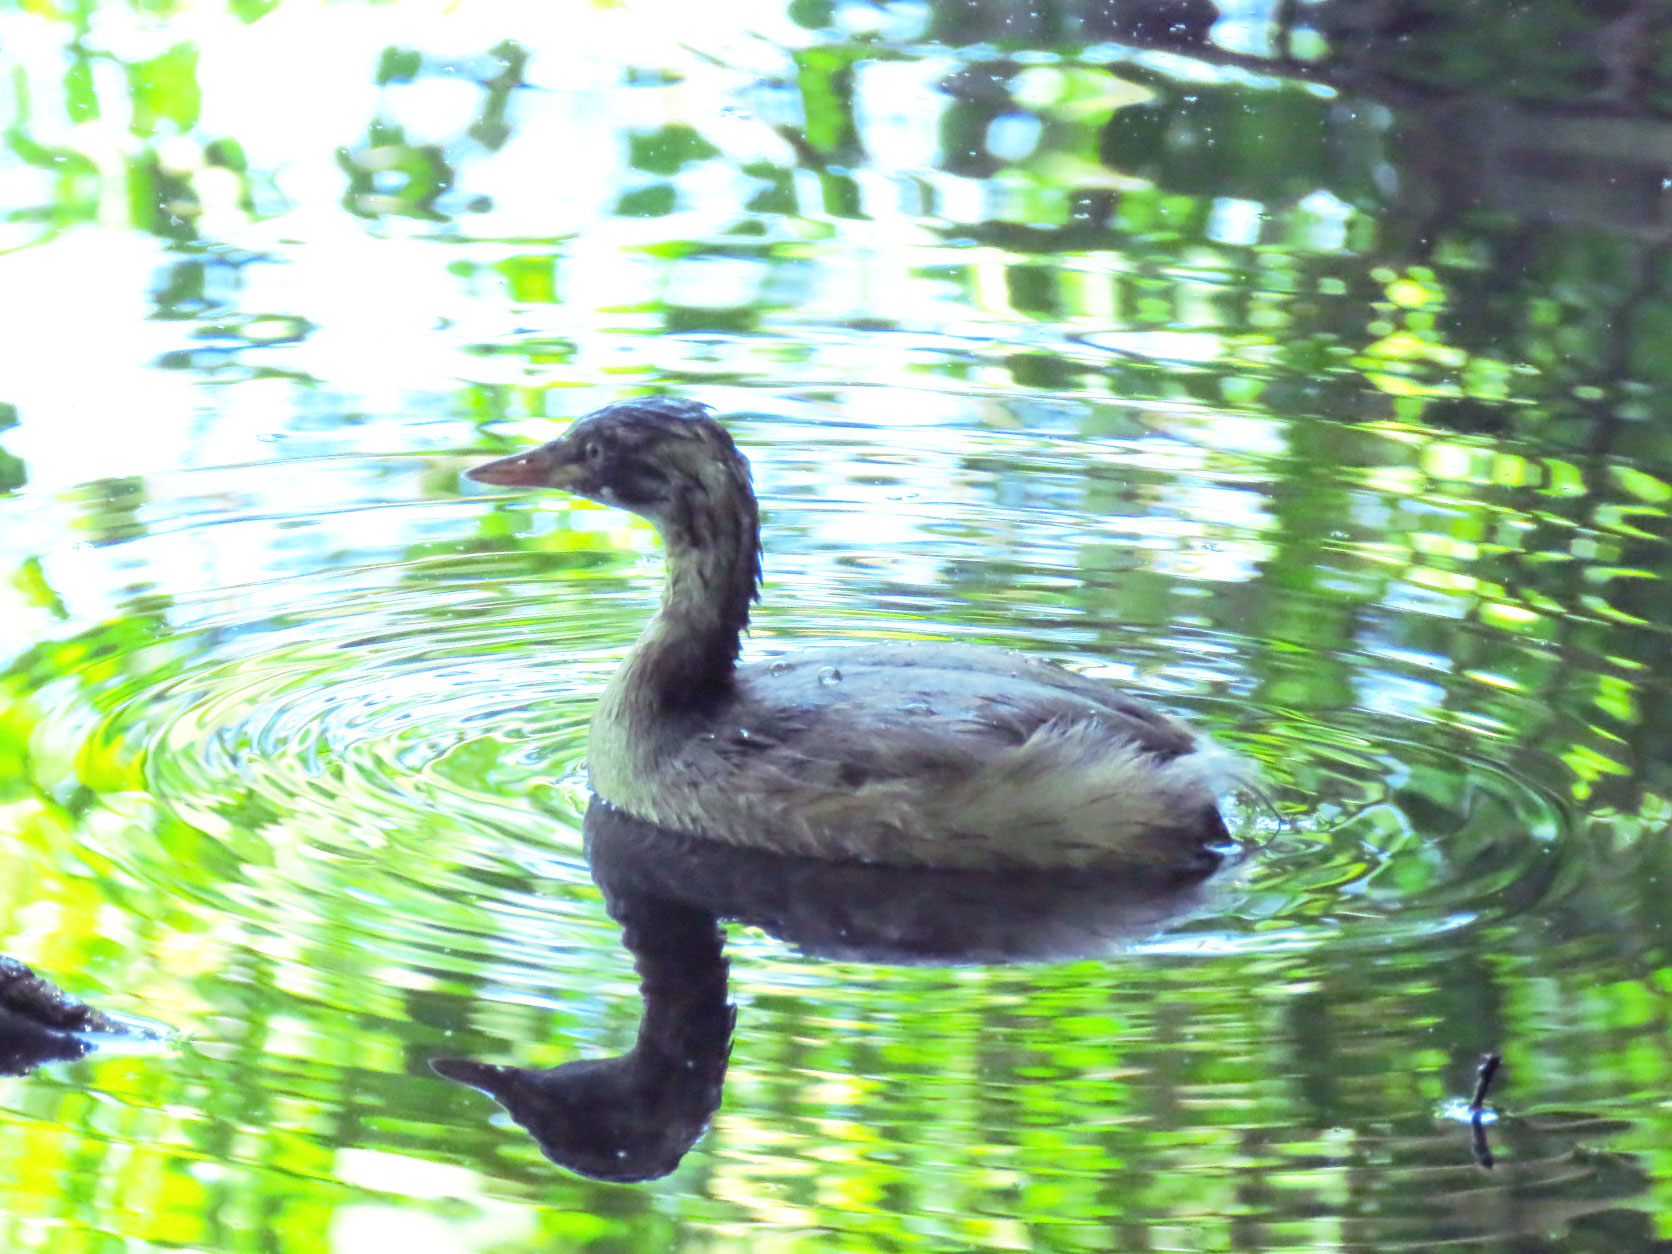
(592, 450)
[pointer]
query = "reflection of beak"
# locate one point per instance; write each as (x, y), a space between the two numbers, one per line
(545, 467)
(490, 1079)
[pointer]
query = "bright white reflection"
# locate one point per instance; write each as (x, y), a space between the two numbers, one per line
(898, 108)
(1325, 220)
(1012, 136)
(1236, 221)
(358, 1229)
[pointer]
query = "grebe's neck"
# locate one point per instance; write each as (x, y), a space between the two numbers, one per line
(685, 658)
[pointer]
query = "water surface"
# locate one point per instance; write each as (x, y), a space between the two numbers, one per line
(1264, 388)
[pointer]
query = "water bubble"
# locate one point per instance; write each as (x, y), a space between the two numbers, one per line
(830, 676)
(780, 668)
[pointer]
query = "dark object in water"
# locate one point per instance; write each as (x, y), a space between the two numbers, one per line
(1484, 1075)
(1480, 1143)
(633, 1117)
(40, 1023)
(866, 912)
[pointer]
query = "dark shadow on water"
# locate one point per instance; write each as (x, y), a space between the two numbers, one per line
(633, 1117)
(855, 911)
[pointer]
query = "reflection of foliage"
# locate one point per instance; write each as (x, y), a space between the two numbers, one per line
(493, 128)
(1552, 50)
(663, 152)
(388, 175)
(182, 185)
(668, 150)
(170, 181)
(993, 1102)
(1229, 140)
(12, 472)
(1280, 146)
(1454, 388)
(164, 89)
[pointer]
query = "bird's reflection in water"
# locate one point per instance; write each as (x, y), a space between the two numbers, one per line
(633, 1117)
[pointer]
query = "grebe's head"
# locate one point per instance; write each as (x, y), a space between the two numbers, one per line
(659, 456)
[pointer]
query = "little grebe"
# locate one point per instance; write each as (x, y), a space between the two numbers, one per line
(912, 754)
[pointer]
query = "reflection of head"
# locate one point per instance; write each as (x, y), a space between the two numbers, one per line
(632, 1118)
(614, 1119)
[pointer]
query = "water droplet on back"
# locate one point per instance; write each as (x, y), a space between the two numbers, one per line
(780, 668)
(830, 676)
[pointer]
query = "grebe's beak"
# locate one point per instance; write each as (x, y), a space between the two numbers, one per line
(552, 465)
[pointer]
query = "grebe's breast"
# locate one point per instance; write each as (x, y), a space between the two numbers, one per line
(928, 754)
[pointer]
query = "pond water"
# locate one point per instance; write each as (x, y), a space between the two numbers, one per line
(1285, 374)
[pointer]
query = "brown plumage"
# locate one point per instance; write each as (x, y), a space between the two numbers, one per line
(912, 754)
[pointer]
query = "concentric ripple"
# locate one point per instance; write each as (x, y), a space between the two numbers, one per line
(410, 697)
(311, 737)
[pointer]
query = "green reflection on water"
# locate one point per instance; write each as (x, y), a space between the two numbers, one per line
(1324, 408)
